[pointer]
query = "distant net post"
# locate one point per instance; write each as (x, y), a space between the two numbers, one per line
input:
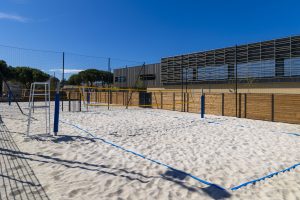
(9, 97)
(202, 104)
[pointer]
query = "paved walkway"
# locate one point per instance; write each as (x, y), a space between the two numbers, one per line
(17, 179)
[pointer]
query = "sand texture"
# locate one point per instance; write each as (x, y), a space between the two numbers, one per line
(226, 151)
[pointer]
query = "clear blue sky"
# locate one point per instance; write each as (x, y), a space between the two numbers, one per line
(143, 30)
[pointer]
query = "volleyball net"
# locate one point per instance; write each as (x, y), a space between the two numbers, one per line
(189, 101)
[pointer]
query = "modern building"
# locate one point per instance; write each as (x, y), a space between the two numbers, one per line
(271, 66)
(144, 76)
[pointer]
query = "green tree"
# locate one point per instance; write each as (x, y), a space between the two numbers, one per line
(90, 76)
(74, 79)
(6, 73)
(27, 75)
(53, 82)
(3, 68)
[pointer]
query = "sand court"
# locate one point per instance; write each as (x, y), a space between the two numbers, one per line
(222, 150)
(191, 143)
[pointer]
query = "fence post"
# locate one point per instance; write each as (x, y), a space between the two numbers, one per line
(127, 100)
(173, 101)
(183, 103)
(80, 103)
(161, 100)
(240, 105)
(123, 99)
(245, 104)
(188, 102)
(69, 99)
(96, 96)
(273, 108)
(116, 93)
(222, 104)
(108, 99)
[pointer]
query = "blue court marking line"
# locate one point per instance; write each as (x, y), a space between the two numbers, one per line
(214, 122)
(294, 134)
(144, 157)
(265, 177)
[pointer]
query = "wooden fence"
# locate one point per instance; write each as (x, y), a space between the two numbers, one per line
(269, 107)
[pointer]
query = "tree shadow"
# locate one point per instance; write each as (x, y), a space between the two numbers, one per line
(213, 191)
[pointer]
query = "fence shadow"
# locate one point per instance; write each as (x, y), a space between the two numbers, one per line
(20, 181)
(131, 175)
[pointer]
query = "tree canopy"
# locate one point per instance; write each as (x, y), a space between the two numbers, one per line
(5, 70)
(24, 75)
(28, 75)
(90, 77)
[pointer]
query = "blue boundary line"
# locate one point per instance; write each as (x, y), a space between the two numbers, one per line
(144, 157)
(182, 172)
(294, 134)
(265, 177)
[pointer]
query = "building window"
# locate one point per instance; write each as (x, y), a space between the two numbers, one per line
(187, 74)
(147, 77)
(292, 67)
(210, 73)
(120, 79)
(259, 69)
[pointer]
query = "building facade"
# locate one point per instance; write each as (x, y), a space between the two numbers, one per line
(268, 66)
(143, 76)
(274, 61)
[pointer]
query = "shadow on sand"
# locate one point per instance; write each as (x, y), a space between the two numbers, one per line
(170, 175)
(61, 138)
(131, 175)
(212, 191)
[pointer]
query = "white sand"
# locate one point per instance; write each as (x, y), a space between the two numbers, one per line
(223, 150)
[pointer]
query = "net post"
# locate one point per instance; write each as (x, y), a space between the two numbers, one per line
(9, 97)
(56, 111)
(202, 104)
(79, 102)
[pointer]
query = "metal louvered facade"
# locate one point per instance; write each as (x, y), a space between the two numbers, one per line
(147, 76)
(269, 61)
